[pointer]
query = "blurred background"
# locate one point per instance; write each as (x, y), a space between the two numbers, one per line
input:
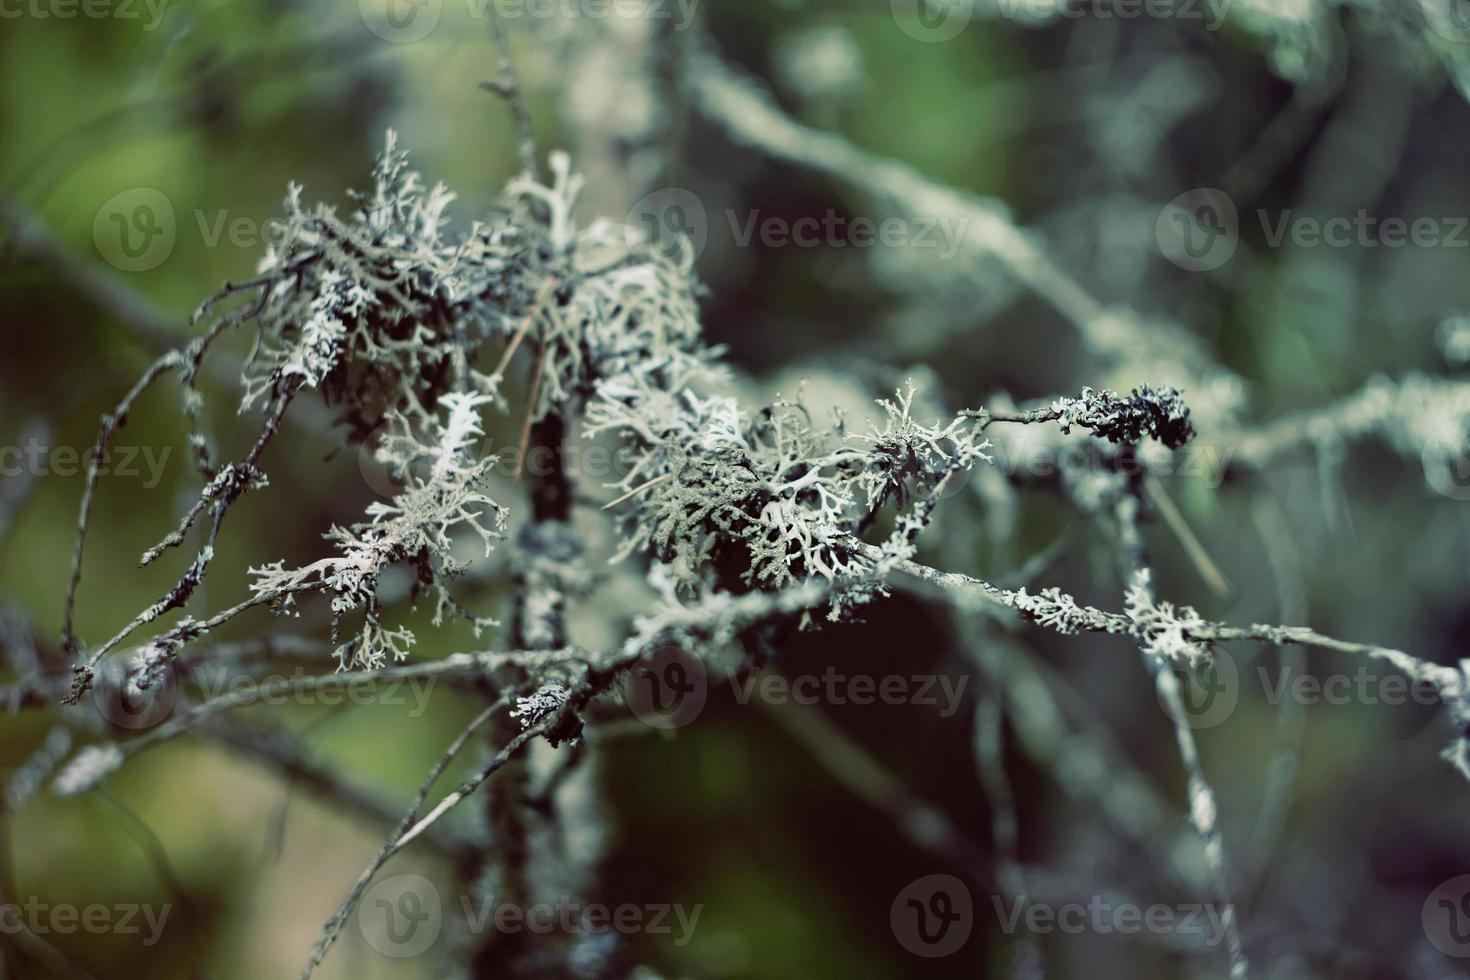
(145, 149)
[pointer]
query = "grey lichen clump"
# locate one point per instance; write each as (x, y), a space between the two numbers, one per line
(417, 526)
(385, 315)
(1173, 635)
(790, 495)
(546, 700)
(1055, 610)
(377, 310)
(384, 312)
(1161, 414)
(1162, 629)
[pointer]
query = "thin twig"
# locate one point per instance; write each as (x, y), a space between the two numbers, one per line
(1191, 544)
(1291, 717)
(508, 87)
(111, 422)
(284, 757)
(15, 489)
(1446, 680)
(523, 444)
(1203, 808)
(647, 484)
(405, 835)
(922, 824)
